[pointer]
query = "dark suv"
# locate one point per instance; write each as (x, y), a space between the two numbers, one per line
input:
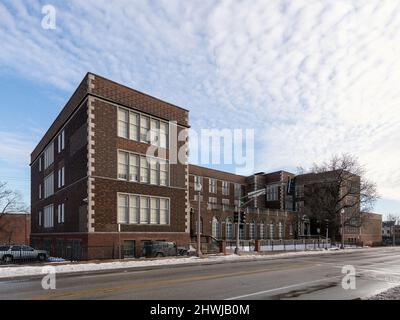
(153, 249)
(9, 254)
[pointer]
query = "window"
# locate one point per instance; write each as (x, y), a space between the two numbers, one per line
(212, 186)
(225, 188)
(280, 230)
(123, 207)
(252, 230)
(164, 134)
(272, 193)
(123, 121)
(215, 228)
(144, 129)
(133, 126)
(164, 211)
(61, 141)
(299, 205)
(229, 229)
(40, 191)
(271, 231)
(299, 191)
(262, 230)
(238, 191)
(225, 204)
(154, 170)
(212, 203)
(144, 210)
(134, 209)
(49, 156)
(49, 185)
(61, 177)
(144, 170)
(40, 164)
(164, 173)
(123, 167)
(241, 231)
(134, 167)
(49, 216)
(196, 198)
(155, 211)
(154, 132)
(40, 219)
(60, 213)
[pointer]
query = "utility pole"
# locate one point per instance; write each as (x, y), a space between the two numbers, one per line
(250, 196)
(342, 218)
(198, 189)
(119, 241)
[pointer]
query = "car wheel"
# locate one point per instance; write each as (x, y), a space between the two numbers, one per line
(41, 257)
(159, 255)
(8, 259)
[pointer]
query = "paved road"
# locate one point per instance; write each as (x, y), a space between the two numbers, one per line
(305, 277)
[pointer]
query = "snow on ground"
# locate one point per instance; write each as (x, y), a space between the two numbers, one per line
(19, 271)
(391, 294)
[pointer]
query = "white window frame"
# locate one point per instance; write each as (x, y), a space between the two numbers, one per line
(212, 185)
(225, 188)
(49, 156)
(49, 185)
(49, 216)
(61, 141)
(61, 177)
(143, 212)
(61, 213)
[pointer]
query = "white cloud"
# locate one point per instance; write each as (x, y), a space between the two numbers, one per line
(312, 77)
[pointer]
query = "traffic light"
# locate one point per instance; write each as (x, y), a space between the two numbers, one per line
(236, 217)
(243, 217)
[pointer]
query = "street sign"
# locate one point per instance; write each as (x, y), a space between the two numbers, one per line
(256, 193)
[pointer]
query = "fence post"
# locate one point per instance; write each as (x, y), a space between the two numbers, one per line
(272, 245)
(294, 244)
(284, 245)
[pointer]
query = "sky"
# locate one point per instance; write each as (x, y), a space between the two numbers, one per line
(311, 78)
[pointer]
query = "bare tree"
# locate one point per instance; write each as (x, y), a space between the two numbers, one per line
(9, 201)
(338, 192)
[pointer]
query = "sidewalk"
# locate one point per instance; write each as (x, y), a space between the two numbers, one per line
(12, 272)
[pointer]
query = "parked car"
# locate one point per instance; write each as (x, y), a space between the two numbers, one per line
(21, 252)
(153, 249)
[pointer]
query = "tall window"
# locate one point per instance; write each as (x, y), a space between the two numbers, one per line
(123, 209)
(215, 228)
(40, 164)
(134, 209)
(154, 172)
(197, 180)
(225, 188)
(252, 230)
(164, 211)
(154, 132)
(272, 231)
(49, 185)
(229, 229)
(123, 123)
(134, 167)
(262, 230)
(144, 129)
(61, 141)
(40, 191)
(272, 193)
(144, 170)
(133, 126)
(280, 229)
(155, 211)
(61, 177)
(164, 173)
(123, 165)
(61, 213)
(238, 191)
(241, 232)
(212, 188)
(144, 210)
(40, 218)
(164, 135)
(49, 156)
(49, 216)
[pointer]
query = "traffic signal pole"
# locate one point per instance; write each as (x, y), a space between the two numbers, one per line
(237, 233)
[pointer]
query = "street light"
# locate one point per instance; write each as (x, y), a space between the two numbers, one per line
(198, 188)
(342, 220)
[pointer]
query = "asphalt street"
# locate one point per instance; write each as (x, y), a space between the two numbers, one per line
(300, 277)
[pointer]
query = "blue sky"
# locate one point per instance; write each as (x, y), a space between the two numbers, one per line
(312, 78)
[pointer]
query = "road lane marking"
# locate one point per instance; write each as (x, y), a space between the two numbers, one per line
(153, 284)
(282, 288)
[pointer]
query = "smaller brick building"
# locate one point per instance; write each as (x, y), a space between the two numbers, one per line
(15, 228)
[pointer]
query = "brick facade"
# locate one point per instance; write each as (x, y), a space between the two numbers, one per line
(15, 228)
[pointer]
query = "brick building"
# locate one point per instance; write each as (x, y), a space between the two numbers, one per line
(95, 189)
(15, 228)
(92, 186)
